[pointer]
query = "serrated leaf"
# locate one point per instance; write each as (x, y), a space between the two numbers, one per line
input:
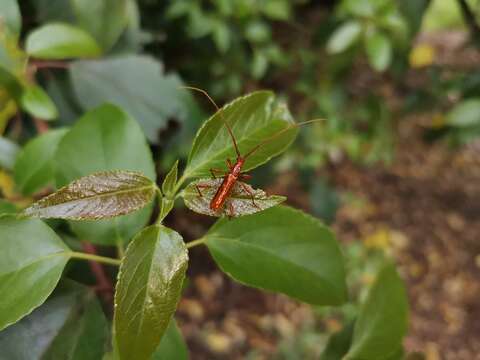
(151, 104)
(379, 50)
(297, 254)
(105, 139)
(37, 103)
(382, 322)
(172, 346)
(31, 263)
(168, 184)
(34, 165)
(61, 41)
(148, 289)
(253, 118)
(239, 202)
(344, 37)
(70, 325)
(97, 196)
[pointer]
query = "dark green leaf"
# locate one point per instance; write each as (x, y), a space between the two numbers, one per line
(413, 11)
(297, 255)
(344, 37)
(31, 263)
(61, 41)
(37, 103)
(465, 114)
(172, 346)
(70, 325)
(151, 104)
(379, 50)
(168, 184)
(239, 201)
(105, 139)
(338, 343)
(98, 196)
(104, 19)
(10, 16)
(253, 118)
(34, 165)
(148, 289)
(8, 153)
(382, 322)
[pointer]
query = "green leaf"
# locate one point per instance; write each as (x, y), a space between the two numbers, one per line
(344, 37)
(104, 19)
(37, 103)
(61, 41)
(7, 207)
(10, 16)
(31, 263)
(70, 325)
(465, 114)
(239, 202)
(338, 343)
(297, 255)
(170, 180)
(382, 322)
(8, 153)
(253, 118)
(172, 346)
(34, 165)
(105, 139)
(97, 196)
(379, 50)
(148, 289)
(110, 80)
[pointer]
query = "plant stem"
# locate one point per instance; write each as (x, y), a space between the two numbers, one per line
(96, 258)
(196, 242)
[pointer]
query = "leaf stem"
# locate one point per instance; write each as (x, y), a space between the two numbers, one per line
(196, 242)
(97, 258)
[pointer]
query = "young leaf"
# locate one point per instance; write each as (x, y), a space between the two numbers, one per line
(148, 289)
(344, 37)
(170, 180)
(31, 263)
(34, 165)
(97, 196)
(61, 41)
(105, 139)
(382, 322)
(465, 113)
(239, 202)
(297, 255)
(69, 325)
(37, 103)
(172, 346)
(253, 118)
(8, 153)
(152, 104)
(104, 19)
(379, 50)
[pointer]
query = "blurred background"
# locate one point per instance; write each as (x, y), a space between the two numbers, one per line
(394, 168)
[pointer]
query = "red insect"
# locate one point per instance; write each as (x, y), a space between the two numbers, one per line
(234, 173)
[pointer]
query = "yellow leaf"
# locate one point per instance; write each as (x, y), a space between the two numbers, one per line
(421, 56)
(7, 186)
(438, 121)
(380, 239)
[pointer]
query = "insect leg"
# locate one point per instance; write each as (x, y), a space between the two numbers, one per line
(249, 192)
(218, 171)
(229, 164)
(245, 176)
(199, 186)
(231, 211)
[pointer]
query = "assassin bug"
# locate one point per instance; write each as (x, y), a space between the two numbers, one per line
(234, 175)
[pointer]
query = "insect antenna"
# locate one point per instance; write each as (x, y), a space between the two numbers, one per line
(229, 129)
(274, 136)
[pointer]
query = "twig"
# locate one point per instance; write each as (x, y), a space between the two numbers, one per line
(471, 21)
(104, 284)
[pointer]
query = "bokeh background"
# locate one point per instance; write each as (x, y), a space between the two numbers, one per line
(394, 168)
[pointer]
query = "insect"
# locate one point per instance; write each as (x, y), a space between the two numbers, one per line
(234, 177)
